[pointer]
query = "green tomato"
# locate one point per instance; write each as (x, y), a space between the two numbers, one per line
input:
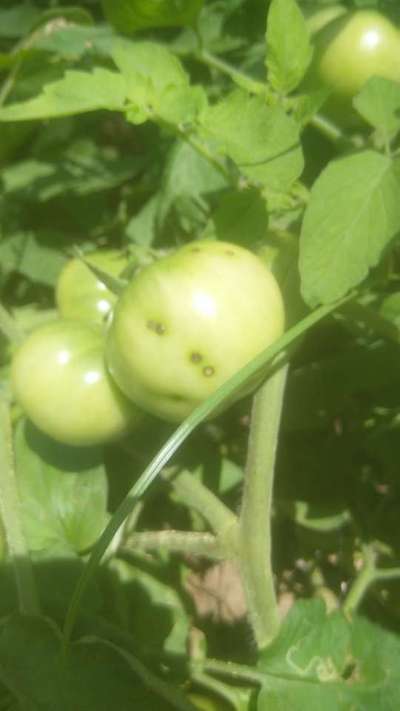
(60, 380)
(189, 321)
(352, 49)
(80, 294)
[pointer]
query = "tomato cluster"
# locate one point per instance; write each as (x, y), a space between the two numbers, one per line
(182, 326)
(350, 48)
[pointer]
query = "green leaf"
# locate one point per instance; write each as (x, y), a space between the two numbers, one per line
(157, 84)
(73, 41)
(17, 21)
(163, 622)
(77, 92)
(262, 140)
(132, 15)
(353, 213)
(390, 308)
(141, 228)
(289, 49)
(242, 217)
(187, 174)
(63, 491)
(324, 661)
(303, 667)
(82, 169)
(311, 644)
(92, 676)
(379, 103)
(36, 256)
(378, 652)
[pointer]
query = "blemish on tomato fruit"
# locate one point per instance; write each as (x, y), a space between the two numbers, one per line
(156, 326)
(176, 398)
(196, 357)
(229, 252)
(208, 370)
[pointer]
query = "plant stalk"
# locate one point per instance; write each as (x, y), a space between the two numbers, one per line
(11, 517)
(186, 542)
(198, 497)
(368, 575)
(255, 517)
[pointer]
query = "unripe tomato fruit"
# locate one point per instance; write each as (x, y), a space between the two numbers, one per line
(80, 294)
(60, 380)
(189, 321)
(352, 49)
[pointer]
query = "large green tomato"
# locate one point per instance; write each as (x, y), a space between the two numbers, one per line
(352, 49)
(80, 295)
(60, 380)
(189, 321)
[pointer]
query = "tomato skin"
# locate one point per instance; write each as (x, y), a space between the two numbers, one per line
(60, 380)
(350, 50)
(188, 322)
(80, 294)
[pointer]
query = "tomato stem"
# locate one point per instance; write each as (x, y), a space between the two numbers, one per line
(199, 497)
(188, 542)
(255, 516)
(11, 517)
(368, 575)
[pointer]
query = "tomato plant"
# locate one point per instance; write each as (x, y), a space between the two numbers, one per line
(350, 50)
(80, 294)
(251, 558)
(186, 323)
(59, 379)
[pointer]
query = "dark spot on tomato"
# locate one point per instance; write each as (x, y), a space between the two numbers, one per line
(156, 326)
(176, 398)
(208, 370)
(195, 249)
(196, 357)
(230, 252)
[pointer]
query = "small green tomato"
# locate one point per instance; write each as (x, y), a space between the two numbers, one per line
(80, 294)
(60, 380)
(188, 322)
(350, 50)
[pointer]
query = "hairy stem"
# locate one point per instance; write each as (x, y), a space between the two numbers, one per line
(255, 516)
(368, 575)
(187, 542)
(362, 582)
(198, 497)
